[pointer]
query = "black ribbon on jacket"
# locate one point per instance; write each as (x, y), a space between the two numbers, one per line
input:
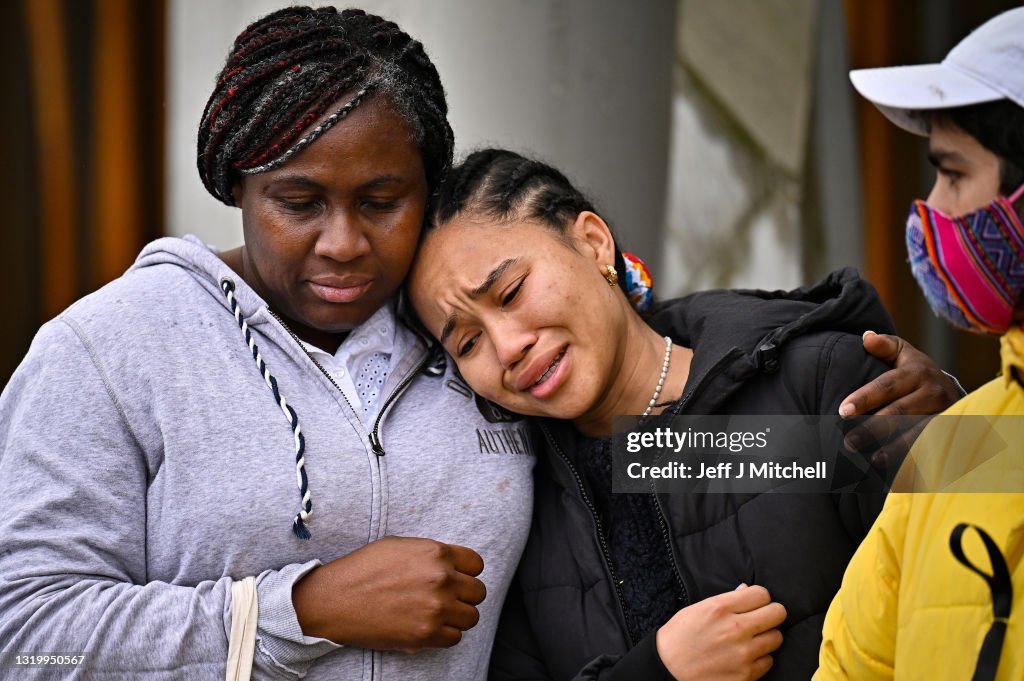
(1002, 599)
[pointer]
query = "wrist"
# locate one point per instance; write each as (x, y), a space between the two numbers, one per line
(308, 598)
(282, 643)
(658, 646)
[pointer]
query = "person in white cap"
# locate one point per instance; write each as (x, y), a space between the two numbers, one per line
(936, 590)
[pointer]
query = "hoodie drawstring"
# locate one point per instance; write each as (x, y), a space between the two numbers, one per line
(306, 506)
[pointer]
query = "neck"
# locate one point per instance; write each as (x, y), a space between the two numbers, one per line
(640, 360)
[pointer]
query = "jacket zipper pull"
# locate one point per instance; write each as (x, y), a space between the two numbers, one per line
(376, 446)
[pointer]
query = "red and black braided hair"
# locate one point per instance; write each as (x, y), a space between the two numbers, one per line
(292, 68)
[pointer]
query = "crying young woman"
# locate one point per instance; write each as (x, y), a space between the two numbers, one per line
(522, 282)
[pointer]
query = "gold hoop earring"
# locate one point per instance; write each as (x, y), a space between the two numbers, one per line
(610, 275)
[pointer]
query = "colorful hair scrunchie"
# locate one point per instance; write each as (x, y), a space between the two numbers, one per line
(639, 288)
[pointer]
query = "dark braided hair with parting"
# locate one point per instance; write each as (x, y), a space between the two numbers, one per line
(290, 69)
(504, 186)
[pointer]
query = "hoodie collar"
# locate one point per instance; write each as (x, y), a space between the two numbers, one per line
(204, 262)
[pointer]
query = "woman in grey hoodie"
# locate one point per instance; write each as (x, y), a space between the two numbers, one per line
(264, 412)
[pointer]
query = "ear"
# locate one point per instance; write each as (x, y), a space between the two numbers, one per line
(594, 237)
(238, 191)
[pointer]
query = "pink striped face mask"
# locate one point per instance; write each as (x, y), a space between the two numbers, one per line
(971, 267)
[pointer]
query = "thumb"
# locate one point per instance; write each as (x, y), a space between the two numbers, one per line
(883, 346)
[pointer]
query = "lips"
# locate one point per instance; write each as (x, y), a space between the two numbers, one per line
(550, 370)
(540, 369)
(343, 289)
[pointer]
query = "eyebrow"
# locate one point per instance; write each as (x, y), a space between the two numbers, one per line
(937, 156)
(382, 180)
(449, 326)
(303, 181)
(297, 180)
(492, 278)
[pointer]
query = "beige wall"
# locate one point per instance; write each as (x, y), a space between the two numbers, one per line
(763, 175)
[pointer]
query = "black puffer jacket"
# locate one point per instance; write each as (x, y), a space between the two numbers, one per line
(755, 352)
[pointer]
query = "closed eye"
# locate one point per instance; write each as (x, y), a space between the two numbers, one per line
(380, 204)
(468, 345)
(511, 295)
(299, 206)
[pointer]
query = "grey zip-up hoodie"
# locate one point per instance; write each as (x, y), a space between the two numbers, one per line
(145, 465)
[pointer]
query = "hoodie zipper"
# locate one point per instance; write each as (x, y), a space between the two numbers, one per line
(312, 358)
(374, 437)
(375, 443)
(601, 540)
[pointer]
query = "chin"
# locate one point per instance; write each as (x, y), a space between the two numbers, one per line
(343, 323)
(514, 405)
(562, 405)
(552, 410)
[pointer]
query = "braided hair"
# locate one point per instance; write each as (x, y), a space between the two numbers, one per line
(504, 186)
(289, 69)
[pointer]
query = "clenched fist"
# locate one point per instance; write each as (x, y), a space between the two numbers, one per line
(397, 593)
(728, 637)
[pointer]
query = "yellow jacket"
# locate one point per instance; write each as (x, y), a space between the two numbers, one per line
(907, 608)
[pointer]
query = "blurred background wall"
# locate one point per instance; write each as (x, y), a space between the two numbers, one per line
(721, 137)
(82, 186)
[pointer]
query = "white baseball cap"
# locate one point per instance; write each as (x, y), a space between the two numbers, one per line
(986, 66)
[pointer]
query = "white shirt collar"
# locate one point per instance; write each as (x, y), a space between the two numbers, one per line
(375, 335)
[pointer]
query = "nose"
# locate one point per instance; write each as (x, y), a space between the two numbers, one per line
(341, 238)
(511, 343)
(936, 198)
